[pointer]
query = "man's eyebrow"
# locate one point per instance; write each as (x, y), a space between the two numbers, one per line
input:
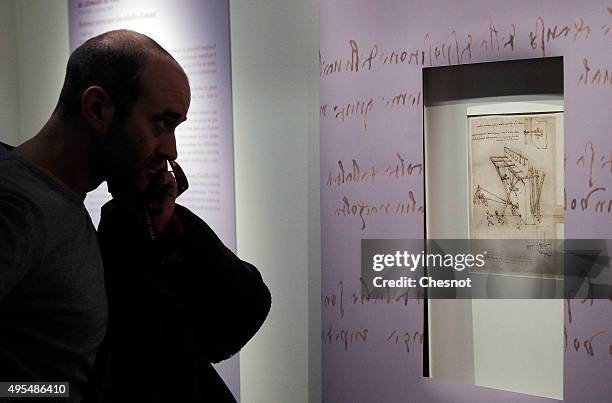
(170, 114)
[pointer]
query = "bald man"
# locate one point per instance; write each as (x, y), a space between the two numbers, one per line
(115, 121)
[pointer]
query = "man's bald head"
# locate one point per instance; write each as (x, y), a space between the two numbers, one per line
(115, 61)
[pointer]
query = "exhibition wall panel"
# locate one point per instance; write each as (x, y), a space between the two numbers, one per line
(371, 116)
(274, 68)
(9, 109)
(205, 140)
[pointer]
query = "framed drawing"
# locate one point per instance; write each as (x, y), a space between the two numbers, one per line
(512, 169)
(514, 186)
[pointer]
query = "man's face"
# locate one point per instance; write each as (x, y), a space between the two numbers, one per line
(141, 143)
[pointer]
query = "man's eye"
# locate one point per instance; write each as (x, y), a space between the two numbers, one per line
(163, 124)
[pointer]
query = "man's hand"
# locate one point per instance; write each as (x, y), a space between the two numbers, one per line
(163, 191)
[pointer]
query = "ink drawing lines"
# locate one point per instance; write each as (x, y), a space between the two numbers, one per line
(536, 133)
(522, 184)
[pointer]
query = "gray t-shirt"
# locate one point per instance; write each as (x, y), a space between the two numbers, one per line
(53, 307)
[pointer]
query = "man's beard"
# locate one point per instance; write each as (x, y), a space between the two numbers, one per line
(120, 172)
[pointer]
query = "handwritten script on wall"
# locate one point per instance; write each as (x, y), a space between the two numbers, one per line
(372, 179)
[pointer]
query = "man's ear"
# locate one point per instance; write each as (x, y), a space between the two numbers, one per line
(97, 108)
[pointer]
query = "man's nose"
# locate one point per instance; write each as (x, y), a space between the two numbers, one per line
(167, 147)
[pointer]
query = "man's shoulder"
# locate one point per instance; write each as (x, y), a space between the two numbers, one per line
(16, 183)
(11, 180)
(21, 178)
(6, 147)
(19, 208)
(6, 156)
(11, 166)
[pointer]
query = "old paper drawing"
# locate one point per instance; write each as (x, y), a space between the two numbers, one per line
(513, 182)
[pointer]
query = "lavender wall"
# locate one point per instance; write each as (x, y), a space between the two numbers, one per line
(371, 60)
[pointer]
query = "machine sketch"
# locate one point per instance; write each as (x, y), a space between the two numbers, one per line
(514, 190)
(513, 183)
(536, 133)
(522, 183)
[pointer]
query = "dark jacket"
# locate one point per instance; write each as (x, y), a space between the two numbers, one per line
(176, 305)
